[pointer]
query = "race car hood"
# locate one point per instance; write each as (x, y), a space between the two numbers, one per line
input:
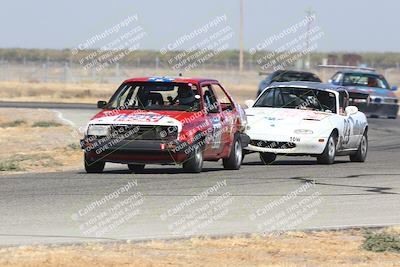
(141, 117)
(372, 91)
(277, 120)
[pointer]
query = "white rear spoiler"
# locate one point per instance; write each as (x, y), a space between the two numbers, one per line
(345, 67)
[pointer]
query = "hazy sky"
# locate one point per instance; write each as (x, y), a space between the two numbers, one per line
(348, 25)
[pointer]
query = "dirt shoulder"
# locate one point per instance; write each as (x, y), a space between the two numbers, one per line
(33, 140)
(326, 248)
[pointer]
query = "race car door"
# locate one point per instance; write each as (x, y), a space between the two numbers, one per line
(349, 136)
(228, 116)
(213, 110)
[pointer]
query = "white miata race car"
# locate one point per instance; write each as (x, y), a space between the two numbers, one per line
(306, 118)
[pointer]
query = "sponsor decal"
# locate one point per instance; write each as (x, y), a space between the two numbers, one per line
(273, 119)
(139, 118)
(294, 139)
(161, 79)
(217, 132)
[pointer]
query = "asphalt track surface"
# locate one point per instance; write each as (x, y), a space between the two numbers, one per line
(56, 207)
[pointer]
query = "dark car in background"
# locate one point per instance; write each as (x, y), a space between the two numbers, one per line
(382, 100)
(286, 76)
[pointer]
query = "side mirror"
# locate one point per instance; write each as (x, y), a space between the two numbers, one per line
(394, 88)
(101, 104)
(333, 82)
(249, 103)
(350, 110)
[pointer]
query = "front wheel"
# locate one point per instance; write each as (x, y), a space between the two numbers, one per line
(92, 166)
(328, 156)
(194, 163)
(362, 150)
(136, 168)
(235, 158)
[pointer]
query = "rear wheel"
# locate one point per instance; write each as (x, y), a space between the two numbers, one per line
(392, 117)
(235, 158)
(92, 166)
(267, 158)
(136, 168)
(328, 156)
(194, 163)
(362, 150)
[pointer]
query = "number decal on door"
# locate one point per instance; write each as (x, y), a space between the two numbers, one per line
(217, 132)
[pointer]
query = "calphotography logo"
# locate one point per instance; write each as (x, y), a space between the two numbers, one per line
(200, 45)
(105, 215)
(199, 133)
(287, 47)
(115, 43)
(289, 211)
(198, 212)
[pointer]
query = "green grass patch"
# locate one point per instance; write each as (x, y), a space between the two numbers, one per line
(37, 160)
(9, 166)
(46, 124)
(380, 242)
(15, 123)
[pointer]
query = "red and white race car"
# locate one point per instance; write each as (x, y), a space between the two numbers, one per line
(162, 120)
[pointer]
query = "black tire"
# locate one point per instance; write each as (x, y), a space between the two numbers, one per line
(267, 158)
(362, 150)
(136, 168)
(235, 158)
(328, 156)
(392, 117)
(194, 163)
(93, 166)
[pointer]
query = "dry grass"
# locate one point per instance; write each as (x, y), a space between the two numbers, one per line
(241, 86)
(342, 248)
(27, 147)
(86, 92)
(55, 92)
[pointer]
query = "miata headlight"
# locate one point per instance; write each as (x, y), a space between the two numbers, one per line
(303, 131)
(99, 130)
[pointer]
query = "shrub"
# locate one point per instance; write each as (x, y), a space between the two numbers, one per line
(46, 124)
(9, 166)
(15, 123)
(74, 146)
(379, 242)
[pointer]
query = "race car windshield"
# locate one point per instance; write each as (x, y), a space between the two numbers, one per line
(366, 80)
(298, 98)
(156, 96)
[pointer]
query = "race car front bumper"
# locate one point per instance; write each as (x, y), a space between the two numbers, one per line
(380, 110)
(137, 151)
(294, 145)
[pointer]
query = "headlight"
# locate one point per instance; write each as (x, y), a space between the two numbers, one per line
(303, 131)
(99, 130)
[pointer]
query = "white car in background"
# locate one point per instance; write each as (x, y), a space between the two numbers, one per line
(306, 118)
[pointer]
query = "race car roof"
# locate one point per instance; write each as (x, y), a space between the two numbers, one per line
(169, 79)
(310, 85)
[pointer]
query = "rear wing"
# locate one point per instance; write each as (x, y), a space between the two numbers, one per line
(345, 67)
